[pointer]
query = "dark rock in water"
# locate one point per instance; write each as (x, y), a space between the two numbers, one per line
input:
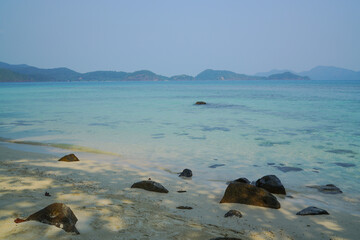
(345, 164)
(328, 188)
(271, 183)
(289, 169)
(232, 213)
(312, 211)
(57, 214)
(270, 163)
(242, 180)
(186, 173)
(184, 207)
(47, 194)
(69, 158)
(181, 191)
(200, 103)
(250, 195)
(150, 186)
(216, 165)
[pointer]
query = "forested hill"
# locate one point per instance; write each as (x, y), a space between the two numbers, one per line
(26, 73)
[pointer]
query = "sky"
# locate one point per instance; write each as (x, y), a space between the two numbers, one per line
(181, 37)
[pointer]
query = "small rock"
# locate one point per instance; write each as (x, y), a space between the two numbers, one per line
(312, 211)
(184, 207)
(57, 214)
(232, 213)
(69, 158)
(327, 189)
(186, 173)
(242, 180)
(47, 194)
(237, 192)
(150, 186)
(181, 191)
(271, 183)
(200, 103)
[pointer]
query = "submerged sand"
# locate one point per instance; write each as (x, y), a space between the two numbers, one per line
(99, 194)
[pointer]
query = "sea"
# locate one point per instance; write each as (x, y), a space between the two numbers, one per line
(305, 132)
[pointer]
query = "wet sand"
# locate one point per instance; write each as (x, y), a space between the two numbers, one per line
(99, 194)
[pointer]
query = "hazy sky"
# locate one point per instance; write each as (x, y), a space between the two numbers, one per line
(187, 36)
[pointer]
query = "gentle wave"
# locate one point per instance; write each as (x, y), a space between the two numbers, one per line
(61, 146)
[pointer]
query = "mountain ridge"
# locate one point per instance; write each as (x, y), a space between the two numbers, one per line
(27, 73)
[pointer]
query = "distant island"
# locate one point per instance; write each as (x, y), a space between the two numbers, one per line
(26, 73)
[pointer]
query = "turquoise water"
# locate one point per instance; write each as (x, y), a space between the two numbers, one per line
(312, 125)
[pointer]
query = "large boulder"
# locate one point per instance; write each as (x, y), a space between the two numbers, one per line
(271, 183)
(186, 173)
(312, 211)
(57, 214)
(69, 158)
(150, 186)
(244, 193)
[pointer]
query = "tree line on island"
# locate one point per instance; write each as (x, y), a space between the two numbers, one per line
(26, 73)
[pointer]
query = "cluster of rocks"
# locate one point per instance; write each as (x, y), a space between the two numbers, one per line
(241, 190)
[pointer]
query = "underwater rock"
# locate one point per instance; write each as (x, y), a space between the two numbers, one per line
(328, 188)
(271, 183)
(150, 186)
(341, 164)
(186, 173)
(216, 165)
(69, 158)
(250, 195)
(232, 213)
(57, 214)
(312, 211)
(341, 151)
(289, 169)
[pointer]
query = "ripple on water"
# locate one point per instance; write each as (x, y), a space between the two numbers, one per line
(341, 151)
(346, 165)
(271, 143)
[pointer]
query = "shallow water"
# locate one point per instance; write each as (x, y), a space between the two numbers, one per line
(312, 125)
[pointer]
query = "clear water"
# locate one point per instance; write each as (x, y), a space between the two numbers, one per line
(312, 125)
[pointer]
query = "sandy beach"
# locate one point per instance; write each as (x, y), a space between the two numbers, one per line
(99, 194)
